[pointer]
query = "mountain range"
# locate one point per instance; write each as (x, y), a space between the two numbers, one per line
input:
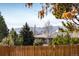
(40, 30)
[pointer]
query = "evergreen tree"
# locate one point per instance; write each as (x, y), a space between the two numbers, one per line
(28, 38)
(3, 28)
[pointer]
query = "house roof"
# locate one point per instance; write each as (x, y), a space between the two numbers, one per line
(42, 36)
(53, 35)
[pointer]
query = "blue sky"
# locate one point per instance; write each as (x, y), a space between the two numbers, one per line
(16, 15)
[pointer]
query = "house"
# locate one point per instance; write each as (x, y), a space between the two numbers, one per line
(46, 38)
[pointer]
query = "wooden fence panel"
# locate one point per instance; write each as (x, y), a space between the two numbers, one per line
(25, 51)
(49, 51)
(72, 50)
(30, 50)
(17, 51)
(4, 51)
(12, 51)
(37, 50)
(77, 50)
(43, 51)
(66, 51)
(57, 50)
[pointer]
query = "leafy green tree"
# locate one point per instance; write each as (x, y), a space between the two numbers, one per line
(19, 41)
(3, 28)
(27, 35)
(12, 39)
(14, 35)
(8, 41)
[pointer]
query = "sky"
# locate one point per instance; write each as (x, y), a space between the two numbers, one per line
(16, 15)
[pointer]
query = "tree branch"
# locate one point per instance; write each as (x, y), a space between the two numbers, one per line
(77, 19)
(75, 22)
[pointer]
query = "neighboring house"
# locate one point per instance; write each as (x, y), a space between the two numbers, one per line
(45, 38)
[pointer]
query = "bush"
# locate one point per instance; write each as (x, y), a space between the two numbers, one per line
(64, 40)
(74, 41)
(58, 40)
(8, 41)
(38, 42)
(19, 40)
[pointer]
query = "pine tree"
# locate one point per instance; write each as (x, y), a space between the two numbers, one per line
(3, 28)
(28, 38)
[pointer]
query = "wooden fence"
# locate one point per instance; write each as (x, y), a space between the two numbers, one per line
(57, 50)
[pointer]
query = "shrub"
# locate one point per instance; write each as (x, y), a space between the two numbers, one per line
(64, 40)
(8, 41)
(38, 42)
(19, 40)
